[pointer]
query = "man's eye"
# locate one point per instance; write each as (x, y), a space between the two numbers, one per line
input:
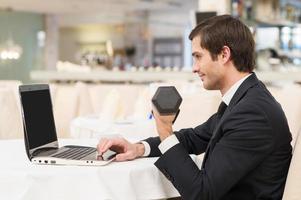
(197, 57)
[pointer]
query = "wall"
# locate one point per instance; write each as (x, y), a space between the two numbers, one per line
(23, 28)
(71, 38)
(220, 6)
(135, 28)
(171, 25)
(168, 24)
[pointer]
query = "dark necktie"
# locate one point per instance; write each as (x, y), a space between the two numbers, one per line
(221, 109)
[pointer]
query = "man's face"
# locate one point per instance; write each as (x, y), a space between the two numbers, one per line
(210, 71)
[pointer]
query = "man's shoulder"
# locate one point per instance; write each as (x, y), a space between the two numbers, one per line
(259, 95)
(257, 100)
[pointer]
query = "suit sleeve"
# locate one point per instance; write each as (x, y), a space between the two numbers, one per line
(247, 140)
(194, 140)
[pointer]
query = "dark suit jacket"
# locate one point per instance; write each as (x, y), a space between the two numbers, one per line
(248, 150)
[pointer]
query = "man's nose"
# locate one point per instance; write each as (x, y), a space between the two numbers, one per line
(195, 68)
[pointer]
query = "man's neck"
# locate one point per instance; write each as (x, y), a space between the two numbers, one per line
(231, 79)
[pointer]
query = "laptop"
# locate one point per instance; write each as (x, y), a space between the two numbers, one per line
(40, 136)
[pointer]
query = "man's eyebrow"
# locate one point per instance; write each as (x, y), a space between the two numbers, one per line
(196, 53)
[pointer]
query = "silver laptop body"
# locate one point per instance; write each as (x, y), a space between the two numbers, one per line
(40, 136)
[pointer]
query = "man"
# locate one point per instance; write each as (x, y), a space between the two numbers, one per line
(247, 142)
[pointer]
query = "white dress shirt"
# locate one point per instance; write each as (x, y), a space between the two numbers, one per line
(172, 140)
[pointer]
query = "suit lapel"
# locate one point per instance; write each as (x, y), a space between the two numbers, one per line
(241, 91)
(243, 88)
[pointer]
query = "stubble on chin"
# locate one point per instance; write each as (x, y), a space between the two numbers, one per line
(208, 86)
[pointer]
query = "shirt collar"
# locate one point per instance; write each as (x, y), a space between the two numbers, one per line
(230, 93)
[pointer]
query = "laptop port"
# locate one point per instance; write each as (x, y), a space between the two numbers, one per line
(52, 162)
(45, 161)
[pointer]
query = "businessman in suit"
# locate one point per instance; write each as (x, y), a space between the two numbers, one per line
(246, 143)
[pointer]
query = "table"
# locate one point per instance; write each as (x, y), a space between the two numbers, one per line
(138, 179)
(92, 126)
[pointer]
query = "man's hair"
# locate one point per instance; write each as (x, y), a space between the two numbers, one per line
(225, 30)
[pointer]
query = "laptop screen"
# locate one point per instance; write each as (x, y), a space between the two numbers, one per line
(38, 116)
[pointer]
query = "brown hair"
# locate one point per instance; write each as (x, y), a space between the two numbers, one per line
(225, 30)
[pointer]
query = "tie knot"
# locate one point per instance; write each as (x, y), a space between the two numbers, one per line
(221, 109)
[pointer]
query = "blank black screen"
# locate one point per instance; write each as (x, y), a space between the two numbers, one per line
(39, 121)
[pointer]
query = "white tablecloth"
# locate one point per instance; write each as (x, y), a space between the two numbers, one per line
(19, 179)
(94, 127)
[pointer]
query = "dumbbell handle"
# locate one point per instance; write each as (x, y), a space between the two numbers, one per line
(176, 116)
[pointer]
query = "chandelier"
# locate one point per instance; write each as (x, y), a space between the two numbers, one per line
(10, 50)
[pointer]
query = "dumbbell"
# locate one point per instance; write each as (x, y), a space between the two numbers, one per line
(167, 101)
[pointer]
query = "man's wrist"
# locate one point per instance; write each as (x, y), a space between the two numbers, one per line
(164, 132)
(140, 149)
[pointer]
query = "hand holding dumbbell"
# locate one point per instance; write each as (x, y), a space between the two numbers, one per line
(166, 103)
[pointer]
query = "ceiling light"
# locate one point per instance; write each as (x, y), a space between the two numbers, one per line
(10, 51)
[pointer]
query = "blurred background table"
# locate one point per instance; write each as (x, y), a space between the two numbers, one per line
(92, 126)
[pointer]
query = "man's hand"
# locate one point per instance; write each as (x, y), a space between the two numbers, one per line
(125, 149)
(163, 123)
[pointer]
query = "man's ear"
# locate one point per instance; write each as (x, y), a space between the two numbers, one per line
(225, 54)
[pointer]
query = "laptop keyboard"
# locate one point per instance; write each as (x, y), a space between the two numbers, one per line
(75, 153)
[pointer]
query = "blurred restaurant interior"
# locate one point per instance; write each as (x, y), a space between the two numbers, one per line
(133, 36)
(104, 59)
